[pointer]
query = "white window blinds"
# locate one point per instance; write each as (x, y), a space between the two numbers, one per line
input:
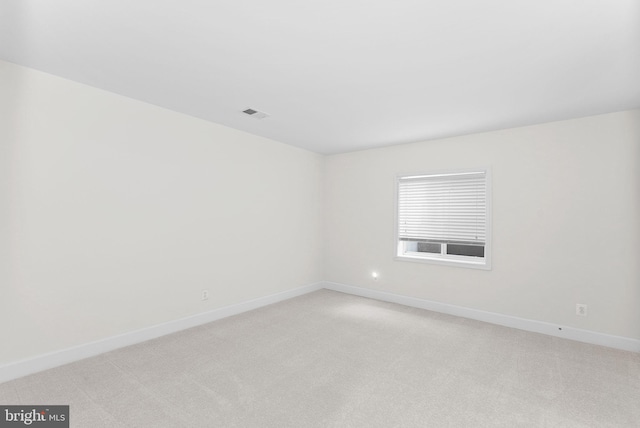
(444, 208)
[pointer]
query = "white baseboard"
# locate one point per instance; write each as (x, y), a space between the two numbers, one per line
(54, 359)
(69, 355)
(586, 336)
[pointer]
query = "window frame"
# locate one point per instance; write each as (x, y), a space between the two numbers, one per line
(445, 259)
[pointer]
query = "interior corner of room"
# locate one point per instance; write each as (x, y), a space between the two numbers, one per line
(117, 215)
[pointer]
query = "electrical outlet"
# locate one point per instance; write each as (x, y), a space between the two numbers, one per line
(205, 294)
(581, 309)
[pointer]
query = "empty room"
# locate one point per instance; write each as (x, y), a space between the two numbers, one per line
(320, 214)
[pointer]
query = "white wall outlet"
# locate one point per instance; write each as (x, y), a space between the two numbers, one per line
(205, 294)
(581, 309)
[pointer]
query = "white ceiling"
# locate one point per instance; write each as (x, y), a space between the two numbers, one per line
(343, 75)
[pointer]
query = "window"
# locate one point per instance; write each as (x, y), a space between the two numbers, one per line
(444, 218)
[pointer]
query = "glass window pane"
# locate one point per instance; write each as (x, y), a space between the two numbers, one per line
(428, 247)
(465, 250)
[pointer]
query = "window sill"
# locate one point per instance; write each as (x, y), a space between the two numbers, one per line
(483, 265)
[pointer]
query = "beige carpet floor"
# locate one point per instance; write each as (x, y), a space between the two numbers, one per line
(329, 359)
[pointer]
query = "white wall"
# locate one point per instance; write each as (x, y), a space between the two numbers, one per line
(566, 222)
(116, 214)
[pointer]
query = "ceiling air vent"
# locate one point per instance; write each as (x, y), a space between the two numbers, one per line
(255, 113)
